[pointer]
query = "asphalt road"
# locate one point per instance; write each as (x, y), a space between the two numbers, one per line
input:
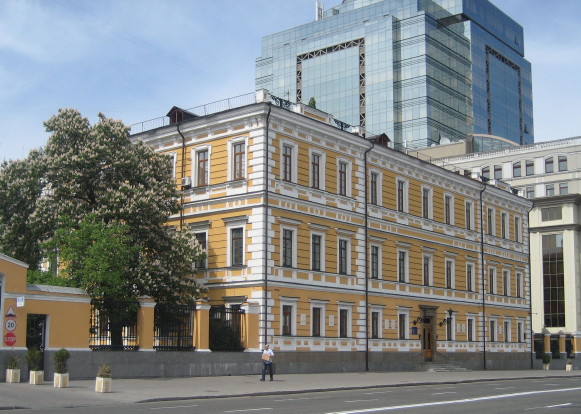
(548, 395)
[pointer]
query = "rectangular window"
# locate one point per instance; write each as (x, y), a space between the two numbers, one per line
(402, 325)
(287, 248)
(448, 209)
(202, 169)
(516, 169)
(375, 325)
(530, 192)
(505, 283)
(530, 167)
(504, 225)
(491, 280)
(239, 161)
(563, 188)
(427, 270)
(470, 277)
(343, 256)
(201, 238)
(469, 215)
(316, 252)
(287, 317)
(548, 165)
(562, 163)
(315, 170)
(520, 332)
(507, 332)
(517, 230)
(492, 335)
(470, 329)
(400, 195)
(374, 262)
(519, 285)
(449, 274)
(236, 247)
(316, 322)
(287, 159)
(498, 172)
(373, 188)
(426, 202)
(553, 280)
(551, 213)
(343, 323)
(549, 190)
(343, 178)
(490, 221)
(401, 266)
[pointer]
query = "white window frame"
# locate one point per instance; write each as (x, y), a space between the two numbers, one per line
(348, 258)
(471, 265)
(231, 145)
(294, 161)
(284, 301)
(493, 333)
(451, 208)
(230, 224)
(519, 284)
(473, 319)
(323, 305)
(452, 262)
(173, 159)
(195, 152)
(430, 270)
(348, 177)
(294, 245)
(405, 194)
(469, 224)
(506, 334)
(379, 185)
(520, 331)
(506, 288)
(322, 235)
(378, 309)
(322, 163)
(430, 215)
(349, 308)
(490, 221)
(518, 229)
(504, 225)
(407, 265)
(406, 313)
(495, 284)
(379, 259)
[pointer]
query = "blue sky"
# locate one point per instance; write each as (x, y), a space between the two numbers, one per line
(135, 59)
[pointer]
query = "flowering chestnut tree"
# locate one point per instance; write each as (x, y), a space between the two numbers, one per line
(101, 203)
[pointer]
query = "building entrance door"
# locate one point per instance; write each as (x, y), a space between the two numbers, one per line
(428, 340)
(36, 333)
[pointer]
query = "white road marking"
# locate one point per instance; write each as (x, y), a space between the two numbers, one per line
(250, 409)
(447, 392)
(175, 406)
(549, 406)
(467, 400)
(355, 401)
(378, 392)
(302, 398)
(443, 388)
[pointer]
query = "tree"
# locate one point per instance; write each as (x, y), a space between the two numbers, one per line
(101, 203)
(312, 102)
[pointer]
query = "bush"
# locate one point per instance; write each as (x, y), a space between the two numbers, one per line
(12, 362)
(60, 361)
(546, 358)
(104, 371)
(33, 358)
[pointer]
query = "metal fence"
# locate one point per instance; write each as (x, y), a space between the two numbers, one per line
(113, 325)
(226, 328)
(173, 327)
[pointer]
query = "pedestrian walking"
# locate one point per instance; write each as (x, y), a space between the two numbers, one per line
(267, 356)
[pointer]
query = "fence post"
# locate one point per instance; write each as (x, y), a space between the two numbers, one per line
(250, 333)
(202, 326)
(145, 324)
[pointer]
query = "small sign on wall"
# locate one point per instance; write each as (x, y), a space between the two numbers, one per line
(19, 301)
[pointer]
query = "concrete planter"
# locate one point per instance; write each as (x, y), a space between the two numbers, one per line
(13, 375)
(546, 367)
(36, 377)
(569, 367)
(61, 380)
(103, 384)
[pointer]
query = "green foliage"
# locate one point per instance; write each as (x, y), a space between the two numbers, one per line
(33, 358)
(546, 358)
(12, 362)
(61, 358)
(102, 203)
(312, 102)
(104, 371)
(38, 277)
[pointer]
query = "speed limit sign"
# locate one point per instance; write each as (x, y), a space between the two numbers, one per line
(10, 325)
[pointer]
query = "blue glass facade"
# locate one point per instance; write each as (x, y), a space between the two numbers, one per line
(417, 70)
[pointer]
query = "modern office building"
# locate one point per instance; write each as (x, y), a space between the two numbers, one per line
(417, 70)
(548, 174)
(349, 252)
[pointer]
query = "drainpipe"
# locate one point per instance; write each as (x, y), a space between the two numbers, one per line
(531, 337)
(366, 262)
(183, 172)
(482, 275)
(265, 224)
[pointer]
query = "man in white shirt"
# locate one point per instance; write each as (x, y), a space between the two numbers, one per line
(267, 356)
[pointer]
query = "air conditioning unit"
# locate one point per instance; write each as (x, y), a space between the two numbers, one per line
(186, 182)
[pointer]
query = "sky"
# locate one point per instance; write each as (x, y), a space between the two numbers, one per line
(135, 59)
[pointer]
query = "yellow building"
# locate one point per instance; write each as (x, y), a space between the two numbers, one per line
(356, 256)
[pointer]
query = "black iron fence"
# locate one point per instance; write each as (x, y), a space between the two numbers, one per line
(113, 325)
(173, 327)
(226, 328)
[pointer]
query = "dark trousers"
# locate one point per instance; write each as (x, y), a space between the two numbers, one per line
(267, 366)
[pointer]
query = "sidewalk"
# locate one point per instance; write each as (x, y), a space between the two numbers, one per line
(81, 392)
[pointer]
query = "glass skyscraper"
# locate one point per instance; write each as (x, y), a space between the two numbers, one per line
(417, 70)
